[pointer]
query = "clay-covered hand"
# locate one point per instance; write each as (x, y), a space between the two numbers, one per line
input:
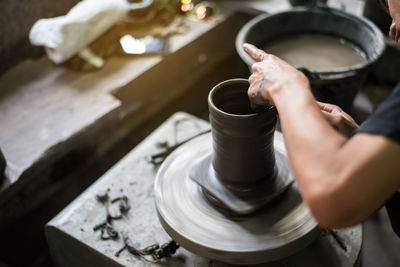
(271, 75)
(339, 119)
(394, 33)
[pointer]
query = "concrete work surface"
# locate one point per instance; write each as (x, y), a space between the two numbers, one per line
(74, 242)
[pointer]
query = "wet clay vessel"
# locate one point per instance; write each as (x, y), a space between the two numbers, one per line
(244, 172)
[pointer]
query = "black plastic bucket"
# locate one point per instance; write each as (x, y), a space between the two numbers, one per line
(338, 86)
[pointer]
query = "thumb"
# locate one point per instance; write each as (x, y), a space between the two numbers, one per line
(257, 54)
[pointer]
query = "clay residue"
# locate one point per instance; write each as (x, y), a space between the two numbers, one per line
(316, 51)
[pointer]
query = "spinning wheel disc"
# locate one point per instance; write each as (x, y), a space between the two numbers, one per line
(193, 222)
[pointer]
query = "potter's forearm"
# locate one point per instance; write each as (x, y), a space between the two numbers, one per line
(329, 169)
(309, 139)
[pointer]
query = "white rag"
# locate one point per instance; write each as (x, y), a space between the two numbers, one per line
(67, 35)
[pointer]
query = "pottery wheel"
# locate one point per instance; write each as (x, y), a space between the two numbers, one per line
(247, 201)
(193, 222)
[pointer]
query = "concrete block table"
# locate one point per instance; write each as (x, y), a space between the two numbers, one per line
(73, 241)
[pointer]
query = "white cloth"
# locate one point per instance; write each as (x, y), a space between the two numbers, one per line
(65, 36)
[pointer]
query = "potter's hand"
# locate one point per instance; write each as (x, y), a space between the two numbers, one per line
(339, 119)
(394, 33)
(271, 75)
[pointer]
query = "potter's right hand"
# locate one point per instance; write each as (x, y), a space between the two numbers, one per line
(271, 75)
(339, 119)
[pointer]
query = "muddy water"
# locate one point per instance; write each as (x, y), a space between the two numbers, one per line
(316, 51)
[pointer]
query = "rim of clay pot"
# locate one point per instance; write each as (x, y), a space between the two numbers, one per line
(216, 109)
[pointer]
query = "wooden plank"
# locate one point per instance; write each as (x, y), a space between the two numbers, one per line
(43, 105)
(51, 113)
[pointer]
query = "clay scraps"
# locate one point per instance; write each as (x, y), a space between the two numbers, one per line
(152, 253)
(155, 251)
(159, 158)
(106, 228)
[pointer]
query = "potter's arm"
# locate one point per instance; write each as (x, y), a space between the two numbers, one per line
(342, 180)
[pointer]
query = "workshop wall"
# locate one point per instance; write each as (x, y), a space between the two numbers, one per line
(16, 19)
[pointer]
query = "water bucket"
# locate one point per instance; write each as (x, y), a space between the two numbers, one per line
(338, 86)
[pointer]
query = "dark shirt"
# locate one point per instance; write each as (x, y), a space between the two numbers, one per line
(386, 121)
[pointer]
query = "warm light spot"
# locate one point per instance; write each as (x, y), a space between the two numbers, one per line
(187, 7)
(201, 12)
(186, 2)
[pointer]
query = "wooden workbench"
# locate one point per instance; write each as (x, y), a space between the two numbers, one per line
(56, 122)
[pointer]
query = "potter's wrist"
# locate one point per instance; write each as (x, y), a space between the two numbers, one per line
(290, 92)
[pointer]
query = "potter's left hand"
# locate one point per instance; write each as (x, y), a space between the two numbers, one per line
(339, 119)
(270, 76)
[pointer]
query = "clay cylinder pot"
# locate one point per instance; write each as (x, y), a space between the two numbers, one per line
(243, 152)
